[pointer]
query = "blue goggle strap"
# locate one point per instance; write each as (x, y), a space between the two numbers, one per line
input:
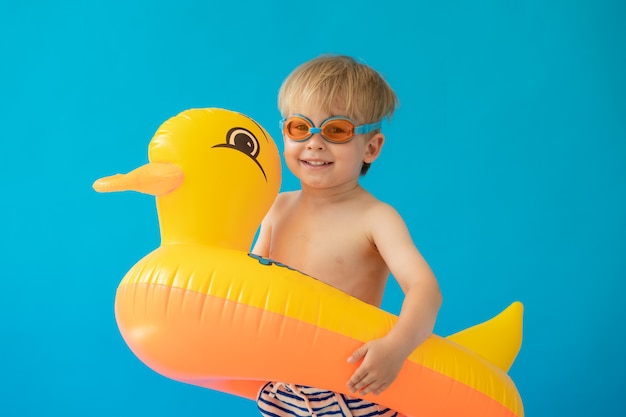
(360, 130)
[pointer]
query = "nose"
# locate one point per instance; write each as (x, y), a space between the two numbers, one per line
(316, 141)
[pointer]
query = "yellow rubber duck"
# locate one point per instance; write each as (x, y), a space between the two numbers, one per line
(201, 309)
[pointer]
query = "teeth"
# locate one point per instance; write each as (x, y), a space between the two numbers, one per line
(316, 163)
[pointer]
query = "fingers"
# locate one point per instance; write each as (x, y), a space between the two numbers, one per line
(373, 374)
(366, 384)
(357, 381)
(374, 388)
(358, 354)
(380, 389)
(365, 381)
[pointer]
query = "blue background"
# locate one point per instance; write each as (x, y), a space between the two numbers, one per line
(507, 159)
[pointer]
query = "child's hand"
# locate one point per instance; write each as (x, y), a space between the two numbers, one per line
(380, 367)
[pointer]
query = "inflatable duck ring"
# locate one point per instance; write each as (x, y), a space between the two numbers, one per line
(200, 309)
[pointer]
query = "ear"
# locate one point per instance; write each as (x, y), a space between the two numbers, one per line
(373, 148)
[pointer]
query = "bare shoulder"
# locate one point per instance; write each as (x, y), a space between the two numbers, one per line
(380, 208)
(283, 200)
(385, 223)
(281, 204)
(379, 211)
(286, 197)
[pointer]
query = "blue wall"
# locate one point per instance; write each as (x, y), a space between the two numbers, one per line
(507, 159)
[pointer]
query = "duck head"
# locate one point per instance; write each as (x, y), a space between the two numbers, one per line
(214, 173)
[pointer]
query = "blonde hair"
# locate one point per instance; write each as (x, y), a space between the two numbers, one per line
(339, 83)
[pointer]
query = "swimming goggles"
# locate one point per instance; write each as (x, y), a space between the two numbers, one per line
(337, 129)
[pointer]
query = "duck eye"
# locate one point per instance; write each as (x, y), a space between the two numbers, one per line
(243, 140)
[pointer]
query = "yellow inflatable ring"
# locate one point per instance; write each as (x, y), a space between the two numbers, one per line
(201, 310)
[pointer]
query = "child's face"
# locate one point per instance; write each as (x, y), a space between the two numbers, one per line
(321, 164)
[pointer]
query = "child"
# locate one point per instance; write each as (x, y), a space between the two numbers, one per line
(334, 230)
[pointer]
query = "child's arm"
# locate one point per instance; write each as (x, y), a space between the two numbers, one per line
(382, 358)
(263, 241)
(262, 245)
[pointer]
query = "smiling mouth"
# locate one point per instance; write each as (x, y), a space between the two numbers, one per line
(316, 163)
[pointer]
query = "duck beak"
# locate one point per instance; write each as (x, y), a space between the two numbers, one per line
(155, 178)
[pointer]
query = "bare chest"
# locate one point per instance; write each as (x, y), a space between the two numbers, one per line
(330, 237)
(336, 250)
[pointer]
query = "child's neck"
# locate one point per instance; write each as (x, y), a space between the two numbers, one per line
(330, 195)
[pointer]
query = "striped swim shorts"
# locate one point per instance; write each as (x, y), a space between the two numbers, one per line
(278, 399)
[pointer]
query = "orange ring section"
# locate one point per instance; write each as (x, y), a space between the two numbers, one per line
(222, 344)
